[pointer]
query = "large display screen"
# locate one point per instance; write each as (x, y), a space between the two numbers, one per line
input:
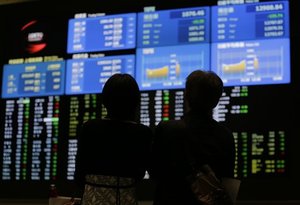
(250, 43)
(252, 62)
(171, 44)
(33, 79)
(31, 139)
(102, 33)
(250, 21)
(167, 67)
(90, 75)
(55, 64)
(173, 27)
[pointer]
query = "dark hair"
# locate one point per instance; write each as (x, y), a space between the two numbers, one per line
(121, 97)
(203, 90)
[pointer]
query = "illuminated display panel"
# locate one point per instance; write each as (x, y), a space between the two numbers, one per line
(171, 44)
(89, 75)
(33, 79)
(30, 140)
(261, 143)
(173, 27)
(161, 105)
(252, 62)
(167, 67)
(250, 43)
(104, 33)
(260, 153)
(250, 21)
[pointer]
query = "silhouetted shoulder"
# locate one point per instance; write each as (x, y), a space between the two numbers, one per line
(171, 124)
(92, 122)
(226, 132)
(145, 129)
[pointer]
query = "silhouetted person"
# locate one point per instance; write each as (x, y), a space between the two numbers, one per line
(113, 152)
(208, 141)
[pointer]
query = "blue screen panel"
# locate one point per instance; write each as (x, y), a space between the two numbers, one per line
(102, 33)
(33, 79)
(167, 67)
(173, 27)
(89, 75)
(252, 62)
(250, 21)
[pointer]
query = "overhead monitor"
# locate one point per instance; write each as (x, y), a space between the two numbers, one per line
(33, 79)
(90, 75)
(111, 32)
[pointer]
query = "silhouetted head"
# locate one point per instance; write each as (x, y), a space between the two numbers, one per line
(203, 90)
(121, 97)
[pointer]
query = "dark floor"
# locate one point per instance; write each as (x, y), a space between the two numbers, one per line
(45, 202)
